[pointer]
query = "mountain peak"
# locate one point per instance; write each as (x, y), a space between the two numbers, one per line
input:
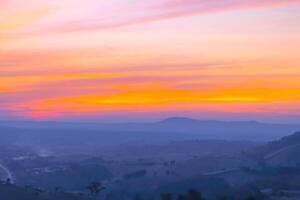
(179, 120)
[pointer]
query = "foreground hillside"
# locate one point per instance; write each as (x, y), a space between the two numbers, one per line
(280, 153)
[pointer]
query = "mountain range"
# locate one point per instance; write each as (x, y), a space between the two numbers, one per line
(171, 129)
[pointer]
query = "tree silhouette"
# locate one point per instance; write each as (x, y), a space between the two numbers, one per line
(95, 188)
(180, 197)
(250, 198)
(37, 192)
(8, 181)
(166, 196)
(224, 198)
(57, 189)
(137, 197)
(194, 195)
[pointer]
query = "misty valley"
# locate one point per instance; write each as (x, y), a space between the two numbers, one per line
(177, 158)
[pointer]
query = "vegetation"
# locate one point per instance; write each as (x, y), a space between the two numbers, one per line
(95, 188)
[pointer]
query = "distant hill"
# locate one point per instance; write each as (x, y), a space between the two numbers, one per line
(172, 129)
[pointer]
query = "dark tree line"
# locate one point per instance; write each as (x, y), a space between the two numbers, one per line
(192, 194)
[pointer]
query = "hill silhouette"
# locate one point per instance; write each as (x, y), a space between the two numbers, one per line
(170, 129)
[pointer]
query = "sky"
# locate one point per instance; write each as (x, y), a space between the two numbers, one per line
(122, 60)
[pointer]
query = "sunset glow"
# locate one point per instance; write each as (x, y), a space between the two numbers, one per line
(149, 59)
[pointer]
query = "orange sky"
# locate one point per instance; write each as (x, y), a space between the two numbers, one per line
(130, 59)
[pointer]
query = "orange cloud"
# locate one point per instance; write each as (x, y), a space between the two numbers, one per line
(6, 88)
(167, 99)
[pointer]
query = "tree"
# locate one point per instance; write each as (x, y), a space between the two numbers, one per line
(181, 197)
(166, 196)
(137, 197)
(37, 192)
(95, 188)
(8, 181)
(194, 195)
(250, 198)
(57, 189)
(224, 198)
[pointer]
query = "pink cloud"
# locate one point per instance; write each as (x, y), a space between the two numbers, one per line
(211, 4)
(89, 15)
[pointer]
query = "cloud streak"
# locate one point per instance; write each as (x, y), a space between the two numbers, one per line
(68, 16)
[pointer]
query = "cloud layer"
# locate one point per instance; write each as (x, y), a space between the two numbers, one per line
(63, 58)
